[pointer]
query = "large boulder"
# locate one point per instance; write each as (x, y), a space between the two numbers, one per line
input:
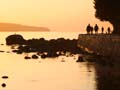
(15, 39)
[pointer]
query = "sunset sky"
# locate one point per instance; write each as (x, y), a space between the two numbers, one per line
(58, 15)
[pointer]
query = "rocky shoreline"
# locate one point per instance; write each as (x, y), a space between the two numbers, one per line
(42, 47)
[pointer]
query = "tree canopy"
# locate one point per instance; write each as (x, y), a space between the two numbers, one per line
(109, 10)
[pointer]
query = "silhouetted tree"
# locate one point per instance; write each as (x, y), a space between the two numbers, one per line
(108, 10)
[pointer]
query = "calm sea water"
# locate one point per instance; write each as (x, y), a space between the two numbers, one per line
(44, 74)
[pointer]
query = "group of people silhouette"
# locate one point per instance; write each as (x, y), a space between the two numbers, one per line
(90, 29)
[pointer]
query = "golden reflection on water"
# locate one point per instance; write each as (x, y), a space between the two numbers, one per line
(45, 74)
(48, 74)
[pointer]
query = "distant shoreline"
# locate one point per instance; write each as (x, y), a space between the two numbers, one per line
(25, 31)
(11, 27)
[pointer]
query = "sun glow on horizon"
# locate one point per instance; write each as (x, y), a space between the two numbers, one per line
(58, 15)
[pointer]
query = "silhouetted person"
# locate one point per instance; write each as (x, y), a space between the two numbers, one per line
(96, 28)
(102, 30)
(91, 29)
(88, 29)
(109, 30)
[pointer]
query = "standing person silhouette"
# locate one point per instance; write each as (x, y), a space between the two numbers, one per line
(102, 30)
(109, 30)
(88, 29)
(91, 29)
(96, 28)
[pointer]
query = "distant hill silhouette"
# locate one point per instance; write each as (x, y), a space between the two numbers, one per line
(6, 27)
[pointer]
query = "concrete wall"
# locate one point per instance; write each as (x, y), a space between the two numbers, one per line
(108, 45)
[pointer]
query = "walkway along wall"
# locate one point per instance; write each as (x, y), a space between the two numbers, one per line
(103, 44)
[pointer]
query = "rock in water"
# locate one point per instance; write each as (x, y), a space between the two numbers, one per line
(34, 56)
(43, 56)
(80, 59)
(15, 39)
(27, 57)
(5, 77)
(3, 85)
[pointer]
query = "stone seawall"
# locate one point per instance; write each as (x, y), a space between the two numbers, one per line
(107, 45)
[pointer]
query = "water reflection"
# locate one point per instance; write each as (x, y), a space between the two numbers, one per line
(107, 77)
(49, 74)
(55, 74)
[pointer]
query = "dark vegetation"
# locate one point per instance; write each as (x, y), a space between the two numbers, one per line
(53, 47)
(108, 10)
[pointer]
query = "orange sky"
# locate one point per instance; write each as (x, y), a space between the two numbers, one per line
(58, 15)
